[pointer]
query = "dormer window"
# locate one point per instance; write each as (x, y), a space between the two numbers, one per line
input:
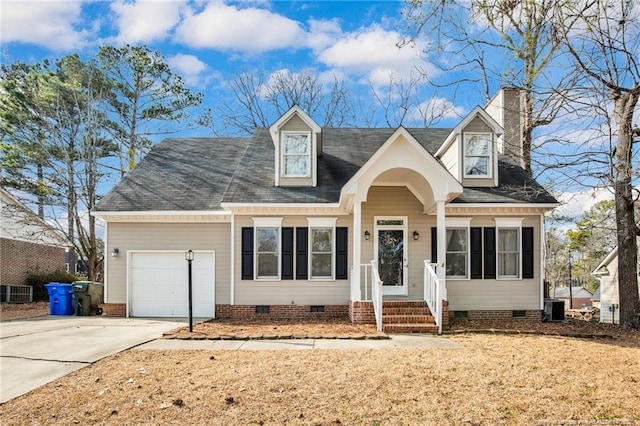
(477, 155)
(296, 154)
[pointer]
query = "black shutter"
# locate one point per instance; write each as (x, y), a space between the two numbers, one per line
(476, 253)
(302, 236)
(434, 245)
(247, 253)
(489, 253)
(342, 243)
(286, 272)
(527, 252)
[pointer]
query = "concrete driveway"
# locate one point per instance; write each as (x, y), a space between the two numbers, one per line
(36, 351)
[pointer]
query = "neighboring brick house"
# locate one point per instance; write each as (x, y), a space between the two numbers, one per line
(27, 243)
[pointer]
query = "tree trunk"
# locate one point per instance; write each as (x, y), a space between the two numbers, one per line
(624, 104)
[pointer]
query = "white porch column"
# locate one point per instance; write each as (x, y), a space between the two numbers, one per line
(442, 246)
(356, 295)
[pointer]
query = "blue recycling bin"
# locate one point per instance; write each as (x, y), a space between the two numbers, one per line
(60, 298)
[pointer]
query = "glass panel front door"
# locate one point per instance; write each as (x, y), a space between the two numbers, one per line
(391, 256)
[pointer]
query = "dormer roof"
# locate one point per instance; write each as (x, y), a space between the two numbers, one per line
(293, 111)
(478, 111)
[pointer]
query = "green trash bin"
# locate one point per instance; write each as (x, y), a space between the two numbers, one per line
(88, 296)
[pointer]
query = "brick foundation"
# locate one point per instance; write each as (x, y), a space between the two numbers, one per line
(445, 313)
(114, 309)
(281, 312)
(362, 313)
(531, 316)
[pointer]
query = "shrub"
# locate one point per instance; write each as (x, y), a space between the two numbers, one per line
(37, 281)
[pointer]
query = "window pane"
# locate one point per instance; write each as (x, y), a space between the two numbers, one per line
(477, 166)
(456, 239)
(456, 264)
(296, 144)
(508, 264)
(267, 265)
(321, 266)
(296, 165)
(267, 240)
(507, 239)
(321, 240)
(477, 145)
(390, 222)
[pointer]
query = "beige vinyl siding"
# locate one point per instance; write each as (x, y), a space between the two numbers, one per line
(609, 294)
(498, 294)
(477, 125)
(451, 159)
(295, 124)
(167, 236)
(399, 201)
(290, 292)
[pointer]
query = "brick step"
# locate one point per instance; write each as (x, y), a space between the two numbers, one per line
(406, 311)
(403, 303)
(410, 328)
(407, 319)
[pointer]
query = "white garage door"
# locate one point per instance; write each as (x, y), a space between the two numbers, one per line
(158, 284)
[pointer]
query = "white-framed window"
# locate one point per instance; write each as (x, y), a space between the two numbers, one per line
(478, 155)
(322, 248)
(508, 237)
(457, 244)
(296, 154)
(267, 248)
(457, 252)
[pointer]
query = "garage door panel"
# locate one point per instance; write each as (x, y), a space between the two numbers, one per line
(159, 284)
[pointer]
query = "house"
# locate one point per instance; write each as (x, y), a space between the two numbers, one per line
(303, 221)
(607, 273)
(576, 298)
(28, 245)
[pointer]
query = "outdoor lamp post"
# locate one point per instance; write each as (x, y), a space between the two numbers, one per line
(189, 257)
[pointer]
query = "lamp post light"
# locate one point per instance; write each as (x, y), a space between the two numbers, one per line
(189, 257)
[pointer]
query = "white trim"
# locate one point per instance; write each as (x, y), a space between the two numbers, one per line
(462, 224)
(457, 222)
(491, 165)
(504, 205)
(232, 272)
(394, 290)
(509, 222)
(309, 155)
(267, 222)
(322, 222)
(161, 213)
(105, 264)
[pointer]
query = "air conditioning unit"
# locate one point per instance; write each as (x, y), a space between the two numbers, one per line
(553, 310)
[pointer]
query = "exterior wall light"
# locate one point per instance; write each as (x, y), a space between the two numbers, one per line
(416, 235)
(115, 252)
(367, 235)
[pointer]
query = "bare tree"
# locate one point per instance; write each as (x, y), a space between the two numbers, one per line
(469, 36)
(605, 46)
(258, 100)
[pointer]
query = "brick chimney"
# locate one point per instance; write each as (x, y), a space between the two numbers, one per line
(506, 108)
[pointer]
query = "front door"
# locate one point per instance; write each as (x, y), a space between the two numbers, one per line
(391, 253)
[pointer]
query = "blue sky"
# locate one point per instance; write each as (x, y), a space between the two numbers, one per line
(208, 42)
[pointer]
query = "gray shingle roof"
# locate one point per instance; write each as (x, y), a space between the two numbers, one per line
(200, 173)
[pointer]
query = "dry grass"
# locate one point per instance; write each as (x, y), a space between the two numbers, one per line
(492, 379)
(13, 311)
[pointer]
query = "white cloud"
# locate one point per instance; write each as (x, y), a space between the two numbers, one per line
(146, 20)
(52, 24)
(227, 27)
(190, 68)
(436, 108)
(574, 204)
(374, 53)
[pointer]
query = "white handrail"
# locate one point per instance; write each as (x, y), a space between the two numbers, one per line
(376, 294)
(433, 293)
